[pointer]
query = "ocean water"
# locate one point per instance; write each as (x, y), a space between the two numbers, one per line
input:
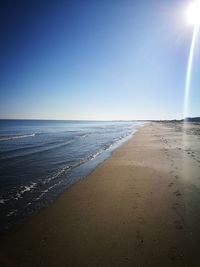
(40, 159)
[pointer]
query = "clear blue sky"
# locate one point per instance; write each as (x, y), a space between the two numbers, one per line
(114, 59)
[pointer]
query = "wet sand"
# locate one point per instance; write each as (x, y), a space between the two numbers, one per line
(140, 207)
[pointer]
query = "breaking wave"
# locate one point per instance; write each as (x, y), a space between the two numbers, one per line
(12, 137)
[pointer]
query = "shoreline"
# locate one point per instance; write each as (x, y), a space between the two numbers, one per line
(40, 190)
(132, 209)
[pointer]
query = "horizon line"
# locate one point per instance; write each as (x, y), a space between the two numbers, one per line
(103, 120)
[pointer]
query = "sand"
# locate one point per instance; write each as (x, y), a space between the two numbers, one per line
(140, 207)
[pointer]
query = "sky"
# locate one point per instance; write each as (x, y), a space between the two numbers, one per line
(96, 60)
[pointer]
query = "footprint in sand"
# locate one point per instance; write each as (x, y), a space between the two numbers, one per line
(134, 207)
(177, 193)
(173, 253)
(138, 195)
(174, 206)
(126, 259)
(139, 240)
(141, 220)
(171, 184)
(178, 225)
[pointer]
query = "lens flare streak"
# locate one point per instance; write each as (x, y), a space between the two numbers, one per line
(189, 71)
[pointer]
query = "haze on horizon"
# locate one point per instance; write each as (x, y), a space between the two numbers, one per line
(98, 60)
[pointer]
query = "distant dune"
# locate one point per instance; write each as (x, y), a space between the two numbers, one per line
(196, 119)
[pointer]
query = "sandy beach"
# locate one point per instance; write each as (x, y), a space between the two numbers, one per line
(140, 207)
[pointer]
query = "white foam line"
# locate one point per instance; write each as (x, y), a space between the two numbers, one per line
(12, 212)
(2, 201)
(16, 137)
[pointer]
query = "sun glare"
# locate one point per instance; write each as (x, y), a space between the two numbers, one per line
(193, 13)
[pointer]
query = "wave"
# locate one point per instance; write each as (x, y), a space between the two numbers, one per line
(52, 180)
(65, 169)
(33, 150)
(12, 212)
(25, 148)
(3, 200)
(36, 149)
(12, 137)
(21, 191)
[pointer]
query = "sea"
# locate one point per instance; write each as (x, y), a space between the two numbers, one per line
(39, 159)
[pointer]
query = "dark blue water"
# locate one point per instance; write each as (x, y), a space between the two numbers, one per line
(40, 159)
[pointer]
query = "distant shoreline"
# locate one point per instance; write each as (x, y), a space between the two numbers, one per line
(189, 119)
(76, 120)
